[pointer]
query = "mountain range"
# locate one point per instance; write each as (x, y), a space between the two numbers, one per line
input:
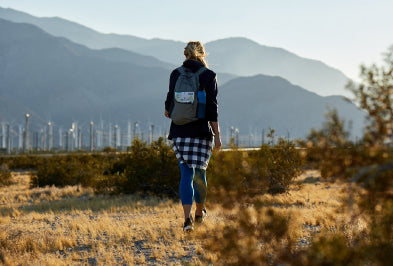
(235, 56)
(62, 81)
(262, 102)
(59, 80)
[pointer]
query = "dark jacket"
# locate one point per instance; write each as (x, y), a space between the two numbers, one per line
(200, 128)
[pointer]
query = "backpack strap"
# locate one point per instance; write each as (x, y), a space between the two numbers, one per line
(200, 71)
(181, 69)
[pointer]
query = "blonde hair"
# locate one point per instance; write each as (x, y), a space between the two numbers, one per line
(195, 51)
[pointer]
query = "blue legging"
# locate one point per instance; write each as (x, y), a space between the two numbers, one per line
(192, 180)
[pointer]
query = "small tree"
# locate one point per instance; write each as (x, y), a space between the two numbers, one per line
(375, 95)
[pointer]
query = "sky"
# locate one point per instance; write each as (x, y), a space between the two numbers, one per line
(341, 33)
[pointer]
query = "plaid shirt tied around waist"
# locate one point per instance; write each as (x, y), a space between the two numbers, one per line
(195, 152)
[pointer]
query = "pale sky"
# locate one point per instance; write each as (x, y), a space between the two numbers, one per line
(341, 33)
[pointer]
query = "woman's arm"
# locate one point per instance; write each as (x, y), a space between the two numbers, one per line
(212, 111)
(217, 134)
(169, 97)
(211, 100)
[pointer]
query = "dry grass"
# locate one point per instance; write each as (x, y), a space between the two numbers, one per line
(56, 226)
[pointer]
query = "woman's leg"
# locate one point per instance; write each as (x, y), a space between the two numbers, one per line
(186, 189)
(200, 190)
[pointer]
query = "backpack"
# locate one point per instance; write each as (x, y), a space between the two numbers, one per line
(189, 103)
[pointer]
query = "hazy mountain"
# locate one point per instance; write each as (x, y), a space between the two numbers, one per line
(166, 50)
(117, 45)
(259, 102)
(60, 81)
(245, 57)
(117, 55)
(55, 79)
(12, 111)
(236, 56)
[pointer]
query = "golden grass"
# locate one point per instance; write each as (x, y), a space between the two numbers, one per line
(71, 225)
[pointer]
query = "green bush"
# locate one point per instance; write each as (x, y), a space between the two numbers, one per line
(22, 161)
(69, 170)
(5, 176)
(284, 164)
(145, 168)
(237, 175)
(154, 169)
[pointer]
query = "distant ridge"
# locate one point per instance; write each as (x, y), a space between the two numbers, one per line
(246, 58)
(259, 102)
(161, 49)
(235, 56)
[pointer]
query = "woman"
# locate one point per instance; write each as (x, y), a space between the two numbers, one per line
(195, 139)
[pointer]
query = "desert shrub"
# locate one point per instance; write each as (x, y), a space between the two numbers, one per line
(252, 235)
(239, 174)
(329, 148)
(248, 239)
(69, 170)
(23, 161)
(284, 164)
(5, 176)
(331, 151)
(228, 172)
(154, 169)
(145, 168)
(371, 246)
(329, 250)
(109, 150)
(368, 165)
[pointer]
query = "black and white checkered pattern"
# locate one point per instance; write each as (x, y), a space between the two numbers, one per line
(195, 152)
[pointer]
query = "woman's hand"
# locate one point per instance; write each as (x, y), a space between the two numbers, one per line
(217, 142)
(167, 113)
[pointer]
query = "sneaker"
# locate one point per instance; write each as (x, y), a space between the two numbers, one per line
(188, 225)
(199, 219)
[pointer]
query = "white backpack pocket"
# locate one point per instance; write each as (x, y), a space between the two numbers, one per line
(185, 97)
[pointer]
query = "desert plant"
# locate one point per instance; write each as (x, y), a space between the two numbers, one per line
(285, 164)
(69, 170)
(367, 164)
(374, 95)
(147, 169)
(249, 238)
(328, 250)
(5, 176)
(271, 168)
(331, 151)
(371, 171)
(25, 162)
